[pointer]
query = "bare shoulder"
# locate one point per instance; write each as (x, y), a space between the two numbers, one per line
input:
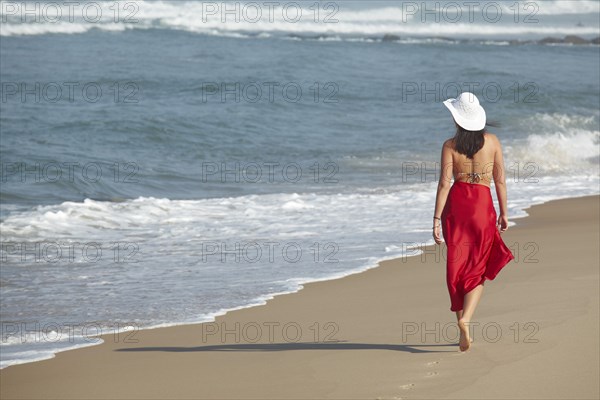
(491, 136)
(493, 139)
(449, 144)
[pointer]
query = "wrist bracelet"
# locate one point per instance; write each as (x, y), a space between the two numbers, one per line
(437, 218)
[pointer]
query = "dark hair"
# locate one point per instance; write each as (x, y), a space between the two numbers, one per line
(469, 142)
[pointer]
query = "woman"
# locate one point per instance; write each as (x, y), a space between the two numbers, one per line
(465, 211)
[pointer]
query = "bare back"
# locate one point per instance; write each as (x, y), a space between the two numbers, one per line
(485, 165)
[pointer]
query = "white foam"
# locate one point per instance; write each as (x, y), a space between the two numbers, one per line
(16, 350)
(193, 17)
(562, 7)
(569, 144)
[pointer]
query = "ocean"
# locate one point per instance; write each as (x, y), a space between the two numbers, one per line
(164, 162)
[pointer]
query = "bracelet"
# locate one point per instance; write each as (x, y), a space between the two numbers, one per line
(437, 218)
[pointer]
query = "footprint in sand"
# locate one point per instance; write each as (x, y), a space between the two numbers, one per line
(433, 363)
(432, 374)
(407, 386)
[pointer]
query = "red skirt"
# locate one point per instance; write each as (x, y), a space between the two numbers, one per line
(476, 251)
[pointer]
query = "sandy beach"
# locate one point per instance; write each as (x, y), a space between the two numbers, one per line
(386, 333)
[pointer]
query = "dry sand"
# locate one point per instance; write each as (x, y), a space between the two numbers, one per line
(537, 335)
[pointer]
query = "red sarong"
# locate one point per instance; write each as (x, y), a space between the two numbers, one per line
(476, 251)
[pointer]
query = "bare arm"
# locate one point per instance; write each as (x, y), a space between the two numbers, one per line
(500, 182)
(443, 188)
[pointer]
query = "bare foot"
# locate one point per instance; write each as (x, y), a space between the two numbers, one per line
(465, 341)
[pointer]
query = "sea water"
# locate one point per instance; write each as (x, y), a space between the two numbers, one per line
(165, 170)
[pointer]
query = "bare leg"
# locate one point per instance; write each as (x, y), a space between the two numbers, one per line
(471, 301)
(459, 315)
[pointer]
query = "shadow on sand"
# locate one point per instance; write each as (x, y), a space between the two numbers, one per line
(340, 345)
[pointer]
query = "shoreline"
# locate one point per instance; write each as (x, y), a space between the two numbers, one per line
(260, 318)
(264, 299)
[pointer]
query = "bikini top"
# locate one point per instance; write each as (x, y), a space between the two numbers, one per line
(475, 177)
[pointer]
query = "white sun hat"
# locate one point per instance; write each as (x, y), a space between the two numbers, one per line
(467, 111)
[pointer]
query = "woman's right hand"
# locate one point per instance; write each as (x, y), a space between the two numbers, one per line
(503, 223)
(436, 234)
